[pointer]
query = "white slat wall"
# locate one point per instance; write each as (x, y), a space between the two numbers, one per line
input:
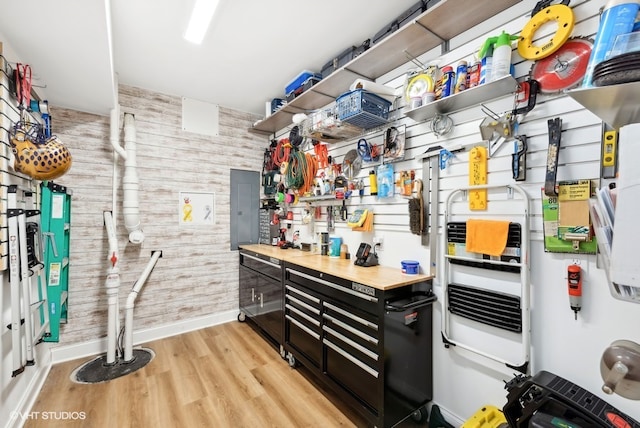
(463, 382)
(197, 274)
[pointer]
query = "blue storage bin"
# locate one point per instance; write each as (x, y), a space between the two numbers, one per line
(363, 109)
(410, 267)
(299, 81)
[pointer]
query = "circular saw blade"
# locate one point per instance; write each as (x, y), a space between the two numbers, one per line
(565, 68)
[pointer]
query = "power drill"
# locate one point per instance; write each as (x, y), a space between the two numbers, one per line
(574, 277)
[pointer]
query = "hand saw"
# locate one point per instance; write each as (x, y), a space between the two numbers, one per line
(555, 131)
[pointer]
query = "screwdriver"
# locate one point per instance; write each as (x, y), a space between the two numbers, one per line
(574, 277)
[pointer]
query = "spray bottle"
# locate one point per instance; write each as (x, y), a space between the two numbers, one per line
(501, 64)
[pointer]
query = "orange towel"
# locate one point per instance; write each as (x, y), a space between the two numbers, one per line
(487, 236)
(367, 226)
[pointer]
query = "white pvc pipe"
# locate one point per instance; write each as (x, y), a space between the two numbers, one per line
(131, 205)
(112, 285)
(129, 306)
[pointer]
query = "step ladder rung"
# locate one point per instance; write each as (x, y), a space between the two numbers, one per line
(65, 262)
(43, 330)
(67, 226)
(36, 305)
(63, 298)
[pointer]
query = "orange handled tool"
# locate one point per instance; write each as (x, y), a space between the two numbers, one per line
(574, 277)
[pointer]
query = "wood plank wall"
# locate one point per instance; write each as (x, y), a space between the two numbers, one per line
(197, 274)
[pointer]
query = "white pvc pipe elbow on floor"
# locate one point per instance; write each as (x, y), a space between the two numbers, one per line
(129, 306)
(131, 203)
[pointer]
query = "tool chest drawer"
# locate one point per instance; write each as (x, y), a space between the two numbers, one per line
(303, 321)
(359, 296)
(352, 351)
(263, 264)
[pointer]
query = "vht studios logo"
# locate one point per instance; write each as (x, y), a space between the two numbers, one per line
(54, 416)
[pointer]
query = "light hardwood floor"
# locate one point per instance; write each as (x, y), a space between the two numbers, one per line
(221, 376)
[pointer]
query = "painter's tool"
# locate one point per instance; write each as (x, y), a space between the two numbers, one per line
(574, 279)
(478, 176)
(555, 131)
(519, 158)
(609, 154)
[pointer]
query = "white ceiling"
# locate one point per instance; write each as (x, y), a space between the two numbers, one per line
(251, 51)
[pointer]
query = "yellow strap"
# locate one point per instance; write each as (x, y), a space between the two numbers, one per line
(560, 13)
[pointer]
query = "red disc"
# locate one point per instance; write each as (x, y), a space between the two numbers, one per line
(563, 69)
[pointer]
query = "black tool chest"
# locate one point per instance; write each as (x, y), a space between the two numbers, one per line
(372, 347)
(260, 294)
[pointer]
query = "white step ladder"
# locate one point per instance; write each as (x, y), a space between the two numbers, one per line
(25, 266)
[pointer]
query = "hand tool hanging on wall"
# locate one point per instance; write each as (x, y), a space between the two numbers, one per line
(574, 280)
(496, 129)
(609, 154)
(555, 131)
(22, 78)
(416, 210)
(519, 158)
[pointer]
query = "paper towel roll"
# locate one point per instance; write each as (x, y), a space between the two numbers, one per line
(385, 92)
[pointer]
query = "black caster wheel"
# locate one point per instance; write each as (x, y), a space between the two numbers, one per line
(242, 317)
(292, 360)
(421, 415)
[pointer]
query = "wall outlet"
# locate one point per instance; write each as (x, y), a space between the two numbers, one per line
(377, 242)
(577, 260)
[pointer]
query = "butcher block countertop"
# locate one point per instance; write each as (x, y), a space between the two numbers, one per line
(380, 277)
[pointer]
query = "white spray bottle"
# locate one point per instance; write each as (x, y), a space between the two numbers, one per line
(501, 64)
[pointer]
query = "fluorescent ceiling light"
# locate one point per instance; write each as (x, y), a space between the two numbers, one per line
(200, 19)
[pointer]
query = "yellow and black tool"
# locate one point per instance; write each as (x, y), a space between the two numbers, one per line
(609, 154)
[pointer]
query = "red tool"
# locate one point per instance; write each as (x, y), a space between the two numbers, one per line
(574, 277)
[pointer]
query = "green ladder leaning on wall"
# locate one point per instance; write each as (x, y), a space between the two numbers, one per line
(56, 225)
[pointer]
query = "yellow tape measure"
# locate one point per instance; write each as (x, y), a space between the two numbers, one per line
(478, 176)
(560, 13)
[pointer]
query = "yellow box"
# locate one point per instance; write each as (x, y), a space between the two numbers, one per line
(487, 417)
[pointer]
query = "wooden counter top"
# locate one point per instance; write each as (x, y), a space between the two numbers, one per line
(380, 277)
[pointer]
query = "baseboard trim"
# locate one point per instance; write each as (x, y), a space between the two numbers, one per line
(448, 416)
(64, 353)
(18, 417)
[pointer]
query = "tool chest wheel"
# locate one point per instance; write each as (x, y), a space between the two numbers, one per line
(292, 360)
(242, 317)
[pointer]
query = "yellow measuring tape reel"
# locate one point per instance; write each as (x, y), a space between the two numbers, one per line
(560, 13)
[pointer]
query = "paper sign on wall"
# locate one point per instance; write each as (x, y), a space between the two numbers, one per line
(196, 209)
